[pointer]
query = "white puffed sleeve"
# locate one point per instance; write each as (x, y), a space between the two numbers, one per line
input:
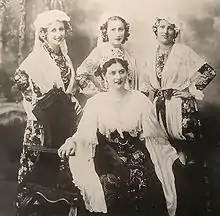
(82, 164)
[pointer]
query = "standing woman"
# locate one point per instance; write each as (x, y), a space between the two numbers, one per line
(46, 79)
(114, 32)
(174, 79)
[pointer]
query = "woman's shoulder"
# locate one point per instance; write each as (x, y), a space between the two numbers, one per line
(183, 47)
(140, 97)
(98, 98)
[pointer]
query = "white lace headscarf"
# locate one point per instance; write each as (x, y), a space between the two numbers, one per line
(43, 20)
(174, 20)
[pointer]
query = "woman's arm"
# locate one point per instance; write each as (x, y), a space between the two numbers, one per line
(84, 140)
(199, 72)
(144, 82)
(207, 74)
(85, 74)
(21, 79)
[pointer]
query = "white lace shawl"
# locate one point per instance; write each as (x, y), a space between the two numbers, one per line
(133, 114)
(44, 72)
(180, 71)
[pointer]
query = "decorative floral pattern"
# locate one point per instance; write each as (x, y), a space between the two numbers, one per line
(61, 62)
(34, 137)
(207, 75)
(161, 58)
(130, 179)
(191, 125)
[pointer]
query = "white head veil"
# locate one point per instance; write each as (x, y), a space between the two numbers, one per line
(174, 20)
(47, 73)
(104, 19)
(43, 20)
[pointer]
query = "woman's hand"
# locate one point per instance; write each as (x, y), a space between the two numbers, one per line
(182, 94)
(67, 149)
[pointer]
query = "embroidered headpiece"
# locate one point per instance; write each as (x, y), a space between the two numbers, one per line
(110, 54)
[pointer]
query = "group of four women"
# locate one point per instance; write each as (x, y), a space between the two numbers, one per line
(119, 158)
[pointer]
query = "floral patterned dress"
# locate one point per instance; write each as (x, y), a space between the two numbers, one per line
(41, 172)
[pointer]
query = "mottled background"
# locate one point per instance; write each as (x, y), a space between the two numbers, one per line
(200, 30)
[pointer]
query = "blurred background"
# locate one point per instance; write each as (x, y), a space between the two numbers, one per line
(200, 21)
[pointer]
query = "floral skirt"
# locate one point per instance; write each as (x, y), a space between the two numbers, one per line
(128, 177)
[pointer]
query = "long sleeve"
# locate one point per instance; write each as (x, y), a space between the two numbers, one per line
(28, 90)
(85, 74)
(85, 137)
(82, 166)
(207, 74)
(21, 80)
(199, 72)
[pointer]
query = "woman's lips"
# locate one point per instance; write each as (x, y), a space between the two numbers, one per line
(118, 82)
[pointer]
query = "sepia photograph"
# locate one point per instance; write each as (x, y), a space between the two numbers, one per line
(109, 108)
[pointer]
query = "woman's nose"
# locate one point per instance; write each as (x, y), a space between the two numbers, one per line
(58, 33)
(117, 76)
(117, 33)
(166, 30)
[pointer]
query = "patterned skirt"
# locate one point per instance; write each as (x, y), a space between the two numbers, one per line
(128, 177)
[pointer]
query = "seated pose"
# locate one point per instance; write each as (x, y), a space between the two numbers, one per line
(120, 158)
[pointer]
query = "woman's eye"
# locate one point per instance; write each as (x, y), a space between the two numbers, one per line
(121, 29)
(61, 29)
(113, 29)
(171, 29)
(53, 30)
(122, 71)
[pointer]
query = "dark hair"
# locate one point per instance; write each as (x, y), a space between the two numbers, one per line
(43, 31)
(104, 28)
(112, 61)
(157, 23)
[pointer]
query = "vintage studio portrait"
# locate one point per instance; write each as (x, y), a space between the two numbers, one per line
(109, 108)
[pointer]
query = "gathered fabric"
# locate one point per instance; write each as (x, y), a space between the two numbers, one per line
(44, 75)
(112, 115)
(184, 70)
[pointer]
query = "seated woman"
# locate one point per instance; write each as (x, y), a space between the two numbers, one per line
(125, 155)
(46, 79)
(114, 32)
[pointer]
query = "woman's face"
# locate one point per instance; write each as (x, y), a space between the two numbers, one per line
(55, 33)
(116, 32)
(165, 32)
(116, 76)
